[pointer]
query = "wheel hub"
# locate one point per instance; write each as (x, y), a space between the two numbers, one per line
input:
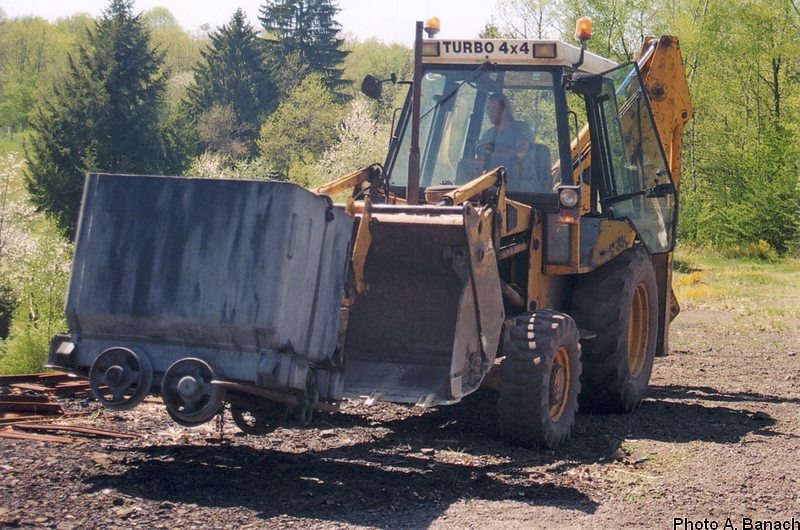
(559, 384)
(638, 326)
(115, 375)
(188, 386)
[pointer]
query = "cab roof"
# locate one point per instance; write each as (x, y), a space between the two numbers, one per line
(516, 52)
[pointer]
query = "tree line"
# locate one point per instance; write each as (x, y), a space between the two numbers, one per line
(741, 152)
(263, 102)
(269, 101)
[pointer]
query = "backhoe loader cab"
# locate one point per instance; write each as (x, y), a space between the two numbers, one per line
(458, 141)
(457, 136)
(518, 237)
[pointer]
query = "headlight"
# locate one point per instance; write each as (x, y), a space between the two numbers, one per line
(568, 197)
(430, 49)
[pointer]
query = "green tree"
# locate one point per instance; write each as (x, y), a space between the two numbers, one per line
(307, 31)
(8, 305)
(108, 114)
(293, 68)
(33, 55)
(34, 267)
(753, 196)
(305, 124)
(219, 131)
(26, 52)
(11, 242)
(233, 75)
(181, 51)
(491, 31)
(380, 60)
(620, 26)
(741, 158)
(527, 19)
(16, 100)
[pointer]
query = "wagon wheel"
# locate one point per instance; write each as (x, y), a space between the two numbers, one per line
(261, 419)
(188, 394)
(120, 378)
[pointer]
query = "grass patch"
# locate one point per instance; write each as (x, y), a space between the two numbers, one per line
(12, 180)
(685, 261)
(635, 469)
(749, 286)
(640, 465)
(657, 456)
(689, 279)
(13, 143)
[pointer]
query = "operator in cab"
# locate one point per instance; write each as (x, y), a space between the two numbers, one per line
(507, 142)
(507, 137)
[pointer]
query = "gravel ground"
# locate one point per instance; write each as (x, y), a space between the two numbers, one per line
(718, 439)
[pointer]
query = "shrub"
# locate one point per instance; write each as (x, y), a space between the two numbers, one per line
(220, 132)
(209, 166)
(219, 166)
(751, 197)
(42, 281)
(362, 141)
(296, 135)
(761, 250)
(8, 304)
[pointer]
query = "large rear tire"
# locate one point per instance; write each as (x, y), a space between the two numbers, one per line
(619, 302)
(540, 380)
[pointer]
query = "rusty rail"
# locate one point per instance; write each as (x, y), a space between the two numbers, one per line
(27, 406)
(7, 380)
(30, 408)
(54, 427)
(38, 437)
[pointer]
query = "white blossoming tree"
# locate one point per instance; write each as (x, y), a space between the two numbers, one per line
(363, 140)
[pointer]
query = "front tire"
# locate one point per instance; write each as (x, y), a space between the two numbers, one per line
(540, 380)
(619, 302)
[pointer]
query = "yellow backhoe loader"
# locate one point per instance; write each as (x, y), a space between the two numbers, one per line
(518, 235)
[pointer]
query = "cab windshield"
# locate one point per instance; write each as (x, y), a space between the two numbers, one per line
(475, 119)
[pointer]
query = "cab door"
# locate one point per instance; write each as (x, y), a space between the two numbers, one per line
(636, 183)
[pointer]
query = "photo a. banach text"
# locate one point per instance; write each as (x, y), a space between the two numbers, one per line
(730, 523)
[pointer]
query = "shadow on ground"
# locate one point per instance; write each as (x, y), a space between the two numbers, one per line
(707, 393)
(352, 485)
(376, 482)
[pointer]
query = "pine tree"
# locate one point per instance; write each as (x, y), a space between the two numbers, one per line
(234, 74)
(108, 114)
(307, 28)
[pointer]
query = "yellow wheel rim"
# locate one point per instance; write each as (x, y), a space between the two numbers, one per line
(638, 330)
(559, 384)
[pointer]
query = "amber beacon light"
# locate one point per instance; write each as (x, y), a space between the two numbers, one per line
(583, 29)
(432, 26)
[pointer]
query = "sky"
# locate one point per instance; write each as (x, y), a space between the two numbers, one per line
(388, 20)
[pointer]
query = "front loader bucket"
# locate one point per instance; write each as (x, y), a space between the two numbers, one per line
(427, 327)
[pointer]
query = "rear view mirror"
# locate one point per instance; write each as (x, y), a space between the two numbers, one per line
(587, 84)
(371, 87)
